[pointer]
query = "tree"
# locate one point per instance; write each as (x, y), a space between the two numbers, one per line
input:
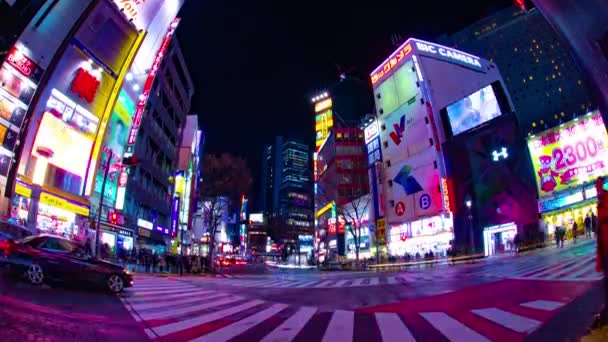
(225, 178)
(353, 214)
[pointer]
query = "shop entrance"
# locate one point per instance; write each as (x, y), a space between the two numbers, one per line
(499, 239)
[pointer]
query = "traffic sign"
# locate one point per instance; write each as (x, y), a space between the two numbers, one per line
(400, 208)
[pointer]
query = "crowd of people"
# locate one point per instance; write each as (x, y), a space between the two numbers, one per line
(146, 260)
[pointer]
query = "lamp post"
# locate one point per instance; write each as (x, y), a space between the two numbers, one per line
(469, 203)
(106, 171)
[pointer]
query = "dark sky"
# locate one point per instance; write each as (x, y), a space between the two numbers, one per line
(256, 64)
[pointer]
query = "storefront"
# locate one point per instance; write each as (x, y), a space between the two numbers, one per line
(364, 244)
(151, 240)
(499, 239)
(433, 234)
(56, 215)
(119, 239)
(567, 160)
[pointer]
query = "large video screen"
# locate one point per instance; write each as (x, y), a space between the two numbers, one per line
(474, 110)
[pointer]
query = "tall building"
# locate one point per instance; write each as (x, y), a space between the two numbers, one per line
(583, 25)
(76, 82)
(545, 83)
(149, 195)
(286, 187)
(339, 162)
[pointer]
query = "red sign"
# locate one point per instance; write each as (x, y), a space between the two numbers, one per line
(400, 208)
(21, 62)
(85, 84)
(393, 61)
(143, 98)
(122, 180)
(521, 4)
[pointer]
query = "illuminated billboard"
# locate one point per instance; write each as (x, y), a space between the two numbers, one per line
(323, 123)
(570, 155)
(473, 110)
(71, 149)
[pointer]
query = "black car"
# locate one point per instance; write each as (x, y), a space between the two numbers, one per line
(10, 231)
(43, 258)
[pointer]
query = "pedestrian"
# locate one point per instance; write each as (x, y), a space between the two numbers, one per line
(154, 262)
(557, 235)
(87, 247)
(574, 232)
(602, 245)
(588, 226)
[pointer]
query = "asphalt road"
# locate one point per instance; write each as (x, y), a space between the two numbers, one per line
(534, 297)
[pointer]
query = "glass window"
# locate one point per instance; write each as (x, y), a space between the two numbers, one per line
(58, 245)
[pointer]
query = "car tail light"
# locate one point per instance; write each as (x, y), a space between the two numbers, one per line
(5, 247)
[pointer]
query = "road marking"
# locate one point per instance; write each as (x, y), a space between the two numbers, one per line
(162, 287)
(269, 283)
(374, 281)
(509, 320)
(341, 327)
(289, 329)
(163, 292)
(587, 269)
(451, 328)
(579, 266)
(307, 284)
(357, 282)
(392, 328)
(172, 296)
(158, 305)
(235, 329)
(546, 305)
(206, 318)
(341, 283)
(393, 280)
(189, 309)
(324, 283)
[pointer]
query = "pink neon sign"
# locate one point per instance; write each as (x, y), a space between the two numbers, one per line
(143, 98)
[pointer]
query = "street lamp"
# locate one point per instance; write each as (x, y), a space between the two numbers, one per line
(469, 203)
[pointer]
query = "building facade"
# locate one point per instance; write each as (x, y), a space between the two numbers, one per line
(546, 85)
(72, 102)
(287, 187)
(150, 191)
(583, 26)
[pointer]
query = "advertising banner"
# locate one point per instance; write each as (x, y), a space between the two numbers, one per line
(397, 90)
(323, 122)
(415, 188)
(139, 12)
(570, 155)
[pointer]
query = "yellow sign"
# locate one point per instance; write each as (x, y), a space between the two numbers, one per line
(570, 155)
(381, 226)
(144, 232)
(324, 209)
(61, 203)
(323, 122)
(319, 106)
(23, 190)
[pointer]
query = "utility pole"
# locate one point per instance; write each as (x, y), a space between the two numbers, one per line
(106, 171)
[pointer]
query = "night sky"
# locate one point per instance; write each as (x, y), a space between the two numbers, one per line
(256, 64)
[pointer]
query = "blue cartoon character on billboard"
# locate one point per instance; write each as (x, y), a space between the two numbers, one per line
(407, 181)
(547, 174)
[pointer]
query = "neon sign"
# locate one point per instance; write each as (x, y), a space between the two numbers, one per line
(446, 195)
(394, 60)
(21, 62)
(85, 84)
(143, 98)
(451, 54)
(325, 104)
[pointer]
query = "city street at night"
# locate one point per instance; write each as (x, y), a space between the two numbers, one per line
(531, 297)
(278, 171)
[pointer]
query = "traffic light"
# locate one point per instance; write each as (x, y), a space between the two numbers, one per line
(113, 217)
(129, 161)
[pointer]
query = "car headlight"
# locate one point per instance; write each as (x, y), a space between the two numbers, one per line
(126, 272)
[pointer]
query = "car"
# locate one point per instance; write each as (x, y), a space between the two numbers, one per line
(44, 258)
(10, 231)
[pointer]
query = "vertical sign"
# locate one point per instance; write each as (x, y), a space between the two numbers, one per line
(143, 98)
(174, 216)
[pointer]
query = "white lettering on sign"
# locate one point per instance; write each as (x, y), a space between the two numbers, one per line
(449, 54)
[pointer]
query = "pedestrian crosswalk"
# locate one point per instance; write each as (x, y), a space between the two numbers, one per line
(186, 312)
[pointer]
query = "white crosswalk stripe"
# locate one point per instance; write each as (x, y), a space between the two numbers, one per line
(340, 327)
(506, 319)
(190, 309)
(241, 326)
(452, 329)
(172, 303)
(545, 305)
(167, 329)
(289, 329)
(392, 328)
(195, 313)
